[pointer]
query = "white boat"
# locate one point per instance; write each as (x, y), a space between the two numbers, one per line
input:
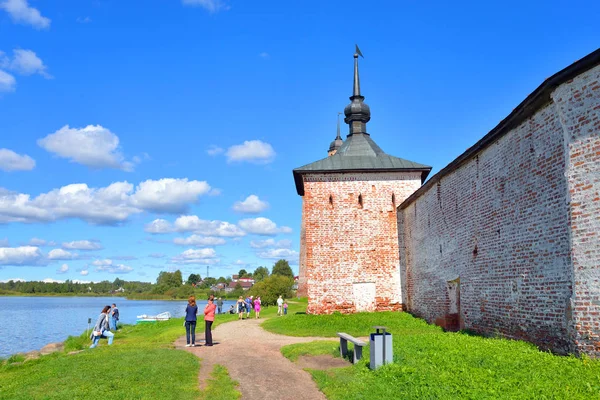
(165, 316)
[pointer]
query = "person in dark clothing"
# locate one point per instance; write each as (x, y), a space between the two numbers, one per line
(190, 321)
(114, 317)
(219, 306)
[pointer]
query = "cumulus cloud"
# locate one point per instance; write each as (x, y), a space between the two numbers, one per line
(252, 205)
(158, 226)
(262, 226)
(261, 244)
(22, 255)
(199, 241)
(84, 272)
(82, 245)
(197, 256)
(21, 12)
(108, 205)
(211, 6)
(93, 146)
(60, 254)
(214, 150)
(63, 269)
(41, 242)
(26, 62)
(168, 195)
(254, 151)
(110, 267)
(191, 223)
(7, 82)
(288, 254)
(11, 161)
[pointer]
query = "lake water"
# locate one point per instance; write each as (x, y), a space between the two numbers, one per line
(30, 323)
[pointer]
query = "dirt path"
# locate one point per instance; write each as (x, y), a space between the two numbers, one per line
(252, 357)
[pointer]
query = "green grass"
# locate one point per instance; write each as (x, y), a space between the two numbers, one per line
(431, 364)
(220, 386)
(141, 364)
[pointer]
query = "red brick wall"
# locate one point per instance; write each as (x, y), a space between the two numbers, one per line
(499, 224)
(578, 104)
(348, 249)
(518, 227)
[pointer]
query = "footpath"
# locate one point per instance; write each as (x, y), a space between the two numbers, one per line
(253, 358)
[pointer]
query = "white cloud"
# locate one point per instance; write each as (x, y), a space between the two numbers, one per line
(63, 269)
(264, 54)
(7, 82)
(26, 62)
(21, 12)
(83, 20)
(261, 244)
(262, 226)
(50, 280)
(11, 161)
(199, 241)
(84, 272)
(191, 223)
(197, 256)
(22, 255)
(254, 151)
(214, 150)
(14, 280)
(240, 262)
(110, 267)
(252, 205)
(156, 255)
(41, 242)
(158, 226)
(60, 254)
(291, 255)
(211, 6)
(107, 205)
(169, 195)
(82, 245)
(93, 146)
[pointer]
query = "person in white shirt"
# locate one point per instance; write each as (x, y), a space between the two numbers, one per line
(280, 306)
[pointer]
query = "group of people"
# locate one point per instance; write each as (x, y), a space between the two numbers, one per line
(245, 306)
(107, 321)
(191, 312)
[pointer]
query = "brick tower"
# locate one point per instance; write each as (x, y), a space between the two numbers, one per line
(349, 258)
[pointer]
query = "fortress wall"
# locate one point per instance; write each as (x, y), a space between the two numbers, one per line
(504, 240)
(578, 104)
(349, 253)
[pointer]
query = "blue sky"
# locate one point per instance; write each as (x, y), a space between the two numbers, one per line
(139, 136)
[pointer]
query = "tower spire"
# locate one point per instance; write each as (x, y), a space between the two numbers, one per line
(357, 112)
(337, 142)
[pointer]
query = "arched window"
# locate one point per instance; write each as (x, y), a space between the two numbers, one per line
(331, 201)
(360, 201)
(394, 200)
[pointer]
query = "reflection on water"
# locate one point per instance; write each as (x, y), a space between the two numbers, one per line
(30, 323)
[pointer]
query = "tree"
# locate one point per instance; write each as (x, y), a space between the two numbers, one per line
(193, 279)
(170, 279)
(242, 273)
(261, 273)
(282, 267)
(271, 288)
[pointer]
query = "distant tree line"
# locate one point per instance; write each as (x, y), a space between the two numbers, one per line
(268, 285)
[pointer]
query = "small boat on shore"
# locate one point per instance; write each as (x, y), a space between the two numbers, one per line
(165, 316)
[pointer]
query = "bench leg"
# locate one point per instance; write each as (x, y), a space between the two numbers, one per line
(357, 353)
(343, 347)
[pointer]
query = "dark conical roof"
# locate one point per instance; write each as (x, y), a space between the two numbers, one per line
(337, 142)
(359, 153)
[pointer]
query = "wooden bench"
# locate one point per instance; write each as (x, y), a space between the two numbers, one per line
(358, 345)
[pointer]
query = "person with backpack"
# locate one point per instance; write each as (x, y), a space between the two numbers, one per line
(102, 329)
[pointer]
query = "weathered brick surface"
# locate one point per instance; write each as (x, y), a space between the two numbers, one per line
(349, 252)
(578, 104)
(516, 229)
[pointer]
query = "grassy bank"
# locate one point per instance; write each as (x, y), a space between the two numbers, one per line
(141, 364)
(431, 364)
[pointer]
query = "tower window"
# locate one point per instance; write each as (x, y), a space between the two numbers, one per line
(394, 200)
(331, 200)
(360, 201)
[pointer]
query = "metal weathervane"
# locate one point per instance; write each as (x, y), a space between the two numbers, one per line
(358, 51)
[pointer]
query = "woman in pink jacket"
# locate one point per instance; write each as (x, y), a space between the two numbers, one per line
(209, 317)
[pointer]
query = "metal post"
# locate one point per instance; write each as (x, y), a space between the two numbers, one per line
(384, 340)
